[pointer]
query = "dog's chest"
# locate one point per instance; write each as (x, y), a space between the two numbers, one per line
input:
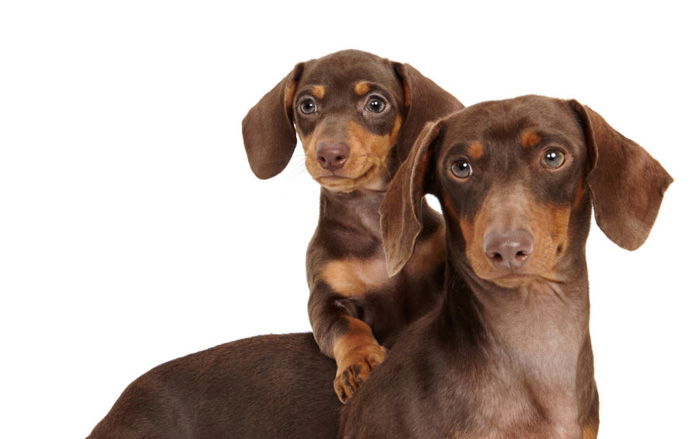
(359, 276)
(354, 276)
(506, 403)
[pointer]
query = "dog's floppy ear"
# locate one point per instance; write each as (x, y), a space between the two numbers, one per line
(400, 212)
(627, 184)
(268, 128)
(425, 101)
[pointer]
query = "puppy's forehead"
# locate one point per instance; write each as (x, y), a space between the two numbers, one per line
(505, 120)
(342, 70)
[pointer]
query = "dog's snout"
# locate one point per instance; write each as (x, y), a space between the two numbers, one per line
(508, 250)
(332, 156)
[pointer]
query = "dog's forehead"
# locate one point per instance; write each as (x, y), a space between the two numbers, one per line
(342, 70)
(507, 119)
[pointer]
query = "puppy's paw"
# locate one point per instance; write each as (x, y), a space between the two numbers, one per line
(355, 367)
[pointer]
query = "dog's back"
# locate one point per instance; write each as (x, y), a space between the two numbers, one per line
(273, 386)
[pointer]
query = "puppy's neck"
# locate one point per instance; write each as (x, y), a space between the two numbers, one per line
(359, 208)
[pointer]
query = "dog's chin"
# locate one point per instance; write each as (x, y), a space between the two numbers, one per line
(513, 281)
(517, 278)
(368, 179)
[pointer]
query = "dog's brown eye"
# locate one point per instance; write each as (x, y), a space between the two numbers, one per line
(553, 159)
(375, 104)
(461, 168)
(307, 106)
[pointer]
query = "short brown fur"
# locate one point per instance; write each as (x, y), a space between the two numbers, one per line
(352, 149)
(508, 354)
(489, 363)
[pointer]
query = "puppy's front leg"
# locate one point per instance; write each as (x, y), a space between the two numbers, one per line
(343, 335)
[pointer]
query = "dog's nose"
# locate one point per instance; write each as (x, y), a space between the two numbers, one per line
(332, 156)
(508, 250)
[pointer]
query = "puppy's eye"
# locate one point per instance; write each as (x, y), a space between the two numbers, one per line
(553, 158)
(461, 168)
(307, 106)
(375, 104)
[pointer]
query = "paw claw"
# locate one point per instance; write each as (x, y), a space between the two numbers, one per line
(354, 370)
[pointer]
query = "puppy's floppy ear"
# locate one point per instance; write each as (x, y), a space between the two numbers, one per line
(268, 128)
(627, 184)
(424, 100)
(400, 212)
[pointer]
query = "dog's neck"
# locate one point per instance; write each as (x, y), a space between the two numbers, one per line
(535, 303)
(359, 208)
(534, 338)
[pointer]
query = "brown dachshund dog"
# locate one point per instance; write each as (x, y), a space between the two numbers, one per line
(508, 355)
(356, 115)
(268, 387)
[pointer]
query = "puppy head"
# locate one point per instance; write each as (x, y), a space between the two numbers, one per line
(516, 180)
(350, 110)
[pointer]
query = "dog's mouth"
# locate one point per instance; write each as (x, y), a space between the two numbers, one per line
(365, 180)
(518, 278)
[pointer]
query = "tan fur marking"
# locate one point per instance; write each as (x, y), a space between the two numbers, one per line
(530, 138)
(362, 87)
(589, 433)
(475, 150)
(394, 136)
(550, 228)
(549, 225)
(450, 208)
(318, 91)
(467, 229)
(366, 167)
(289, 91)
(356, 353)
(309, 145)
(358, 335)
(352, 276)
(406, 95)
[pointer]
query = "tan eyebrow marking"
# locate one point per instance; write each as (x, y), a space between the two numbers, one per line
(318, 91)
(475, 149)
(362, 87)
(530, 138)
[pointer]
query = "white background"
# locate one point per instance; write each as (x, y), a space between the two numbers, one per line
(132, 230)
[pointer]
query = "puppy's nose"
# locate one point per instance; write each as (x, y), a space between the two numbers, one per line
(332, 156)
(508, 250)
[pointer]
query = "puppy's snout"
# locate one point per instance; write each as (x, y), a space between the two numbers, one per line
(332, 156)
(508, 250)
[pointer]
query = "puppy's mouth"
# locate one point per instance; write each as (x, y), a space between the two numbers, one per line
(343, 183)
(332, 176)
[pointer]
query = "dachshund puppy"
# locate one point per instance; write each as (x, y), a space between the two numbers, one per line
(356, 115)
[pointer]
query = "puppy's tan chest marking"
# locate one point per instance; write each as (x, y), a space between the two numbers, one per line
(355, 276)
